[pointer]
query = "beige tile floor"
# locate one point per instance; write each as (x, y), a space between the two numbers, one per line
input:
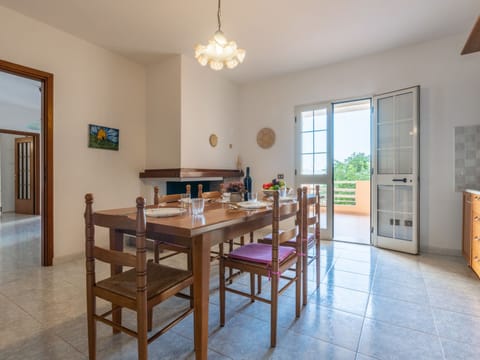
(372, 304)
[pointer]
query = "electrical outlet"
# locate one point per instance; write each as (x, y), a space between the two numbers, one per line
(280, 176)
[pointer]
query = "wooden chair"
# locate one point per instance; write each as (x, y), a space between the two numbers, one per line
(159, 245)
(310, 225)
(268, 260)
(141, 288)
(211, 195)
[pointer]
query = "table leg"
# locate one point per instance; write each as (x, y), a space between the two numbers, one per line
(201, 291)
(116, 243)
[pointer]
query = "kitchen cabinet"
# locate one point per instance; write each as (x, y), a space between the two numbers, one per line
(471, 229)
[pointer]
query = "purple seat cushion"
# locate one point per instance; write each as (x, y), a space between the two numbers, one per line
(260, 253)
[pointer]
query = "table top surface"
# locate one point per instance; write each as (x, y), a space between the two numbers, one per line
(215, 216)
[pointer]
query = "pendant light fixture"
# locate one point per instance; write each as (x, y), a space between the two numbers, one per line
(219, 52)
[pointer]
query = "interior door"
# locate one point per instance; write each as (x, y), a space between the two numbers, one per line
(395, 188)
(24, 175)
(313, 163)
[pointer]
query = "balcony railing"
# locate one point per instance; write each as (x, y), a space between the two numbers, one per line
(352, 197)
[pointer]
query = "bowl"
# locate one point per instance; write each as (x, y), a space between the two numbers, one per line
(268, 193)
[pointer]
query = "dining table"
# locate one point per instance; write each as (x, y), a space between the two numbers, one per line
(218, 223)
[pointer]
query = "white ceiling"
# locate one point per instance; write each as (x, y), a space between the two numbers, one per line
(279, 35)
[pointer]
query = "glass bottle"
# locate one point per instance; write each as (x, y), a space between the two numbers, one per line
(247, 183)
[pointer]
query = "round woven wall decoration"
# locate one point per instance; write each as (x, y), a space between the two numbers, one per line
(213, 140)
(266, 138)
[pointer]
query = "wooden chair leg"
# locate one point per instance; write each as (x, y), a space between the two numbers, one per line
(259, 285)
(298, 287)
(156, 251)
(150, 320)
(221, 276)
(274, 311)
(252, 287)
(92, 326)
(317, 255)
(190, 267)
(305, 275)
(251, 237)
(230, 270)
(142, 330)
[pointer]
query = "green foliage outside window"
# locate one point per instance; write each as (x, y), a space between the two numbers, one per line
(355, 168)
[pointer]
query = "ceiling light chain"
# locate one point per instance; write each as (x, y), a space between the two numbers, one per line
(219, 14)
(219, 52)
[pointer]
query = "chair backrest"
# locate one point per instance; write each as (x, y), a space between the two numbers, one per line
(157, 199)
(136, 225)
(211, 195)
(282, 212)
(200, 190)
(311, 212)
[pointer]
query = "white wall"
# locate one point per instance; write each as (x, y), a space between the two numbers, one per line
(209, 106)
(91, 85)
(7, 171)
(450, 93)
(164, 114)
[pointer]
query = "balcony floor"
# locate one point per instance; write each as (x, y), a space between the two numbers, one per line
(351, 228)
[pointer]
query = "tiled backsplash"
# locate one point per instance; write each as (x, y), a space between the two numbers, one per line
(467, 157)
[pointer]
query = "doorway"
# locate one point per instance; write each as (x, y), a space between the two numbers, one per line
(351, 171)
(327, 130)
(44, 147)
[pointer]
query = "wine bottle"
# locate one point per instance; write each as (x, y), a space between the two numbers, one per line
(247, 183)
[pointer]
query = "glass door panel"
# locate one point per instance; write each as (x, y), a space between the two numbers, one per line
(395, 216)
(312, 162)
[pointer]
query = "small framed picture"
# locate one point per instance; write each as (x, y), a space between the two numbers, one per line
(103, 137)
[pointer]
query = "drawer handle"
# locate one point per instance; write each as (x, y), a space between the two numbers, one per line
(476, 218)
(476, 259)
(476, 238)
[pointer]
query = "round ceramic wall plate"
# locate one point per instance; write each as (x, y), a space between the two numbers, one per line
(266, 138)
(213, 140)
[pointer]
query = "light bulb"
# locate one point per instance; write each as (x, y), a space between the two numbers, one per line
(216, 65)
(231, 63)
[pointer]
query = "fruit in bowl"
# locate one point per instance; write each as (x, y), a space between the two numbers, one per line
(270, 187)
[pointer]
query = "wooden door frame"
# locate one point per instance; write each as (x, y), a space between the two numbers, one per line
(37, 182)
(46, 152)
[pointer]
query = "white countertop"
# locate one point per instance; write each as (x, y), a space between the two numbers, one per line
(476, 192)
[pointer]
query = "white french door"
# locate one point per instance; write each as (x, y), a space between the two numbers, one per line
(313, 163)
(395, 163)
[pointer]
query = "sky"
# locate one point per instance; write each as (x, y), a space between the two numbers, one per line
(351, 133)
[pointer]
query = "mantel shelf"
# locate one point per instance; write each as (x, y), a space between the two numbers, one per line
(190, 173)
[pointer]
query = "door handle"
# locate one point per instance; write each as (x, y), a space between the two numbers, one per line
(402, 180)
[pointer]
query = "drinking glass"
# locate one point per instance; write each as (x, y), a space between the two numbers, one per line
(197, 206)
(252, 196)
(184, 199)
(282, 192)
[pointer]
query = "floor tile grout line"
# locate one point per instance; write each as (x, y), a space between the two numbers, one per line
(365, 310)
(435, 322)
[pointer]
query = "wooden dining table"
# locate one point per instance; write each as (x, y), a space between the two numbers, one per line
(218, 223)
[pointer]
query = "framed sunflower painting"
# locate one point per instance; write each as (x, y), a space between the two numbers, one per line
(103, 137)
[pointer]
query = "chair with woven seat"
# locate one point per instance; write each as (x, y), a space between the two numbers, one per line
(159, 245)
(139, 289)
(272, 261)
(310, 224)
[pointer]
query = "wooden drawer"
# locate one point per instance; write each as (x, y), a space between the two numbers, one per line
(475, 240)
(476, 256)
(475, 202)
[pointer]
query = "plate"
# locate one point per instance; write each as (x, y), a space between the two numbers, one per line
(185, 200)
(252, 204)
(164, 212)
